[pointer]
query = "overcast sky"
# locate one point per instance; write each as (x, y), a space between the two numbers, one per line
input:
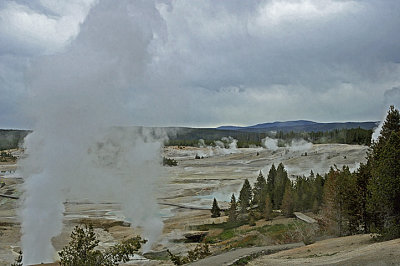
(219, 62)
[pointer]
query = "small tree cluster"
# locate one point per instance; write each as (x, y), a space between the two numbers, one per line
(81, 250)
(169, 162)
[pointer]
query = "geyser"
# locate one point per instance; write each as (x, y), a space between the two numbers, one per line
(79, 147)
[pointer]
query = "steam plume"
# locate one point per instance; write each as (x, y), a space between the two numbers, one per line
(392, 97)
(76, 99)
(270, 144)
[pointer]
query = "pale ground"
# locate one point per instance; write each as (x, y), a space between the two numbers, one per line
(350, 250)
(193, 183)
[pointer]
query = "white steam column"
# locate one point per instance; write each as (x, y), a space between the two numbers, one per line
(76, 99)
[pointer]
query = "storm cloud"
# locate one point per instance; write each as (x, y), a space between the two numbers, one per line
(229, 62)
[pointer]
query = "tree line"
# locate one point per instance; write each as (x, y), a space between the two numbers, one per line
(364, 201)
(358, 136)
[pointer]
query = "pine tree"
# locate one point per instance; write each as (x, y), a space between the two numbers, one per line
(287, 202)
(245, 196)
(215, 210)
(271, 182)
(318, 190)
(260, 192)
(252, 218)
(363, 177)
(385, 177)
(339, 191)
(280, 183)
(315, 207)
(232, 211)
(268, 208)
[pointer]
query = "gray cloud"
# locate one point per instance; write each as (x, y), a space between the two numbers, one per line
(242, 63)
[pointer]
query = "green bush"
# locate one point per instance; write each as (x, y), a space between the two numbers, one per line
(82, 249)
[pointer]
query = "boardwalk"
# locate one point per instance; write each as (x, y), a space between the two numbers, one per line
(304, 218)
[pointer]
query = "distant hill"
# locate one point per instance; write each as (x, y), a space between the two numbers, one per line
(301, 126)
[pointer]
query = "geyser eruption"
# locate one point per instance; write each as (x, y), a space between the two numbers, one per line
(77, 100)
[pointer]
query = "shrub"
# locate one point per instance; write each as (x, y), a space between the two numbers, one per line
(81, 250)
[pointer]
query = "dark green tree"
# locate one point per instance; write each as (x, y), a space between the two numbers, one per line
(384, 186)
(245, 196)
(260, 192)
(280, 184)
(232, 211)
(268, 208)
(215, 210)
(363, 177)
(318, 191)
(288, 202)
(271, 183)
(339, 191)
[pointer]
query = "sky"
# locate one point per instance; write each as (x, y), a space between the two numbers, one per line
(211, 63)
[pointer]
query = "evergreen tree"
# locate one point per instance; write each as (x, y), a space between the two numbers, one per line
(232, 211)
(260, 192)
(391, 124)
(384, 186)
(287, 202)
(280, 183)
(318, 191)
(215, 210)
(245, 196)
(363, 177)
(315, 207)
(339, 191)
(252, 218)
(268, 208)
(271, 182)
(311, 174)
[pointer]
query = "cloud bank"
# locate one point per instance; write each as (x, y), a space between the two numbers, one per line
(231, 62)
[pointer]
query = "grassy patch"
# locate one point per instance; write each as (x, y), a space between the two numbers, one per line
(246, 241)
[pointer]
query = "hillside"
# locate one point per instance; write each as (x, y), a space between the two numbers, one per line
(301, 126)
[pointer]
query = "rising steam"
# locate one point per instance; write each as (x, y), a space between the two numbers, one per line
(77, 98)
(392, 97)
(270, 143)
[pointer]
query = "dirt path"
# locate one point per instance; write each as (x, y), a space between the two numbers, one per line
(232, 256)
